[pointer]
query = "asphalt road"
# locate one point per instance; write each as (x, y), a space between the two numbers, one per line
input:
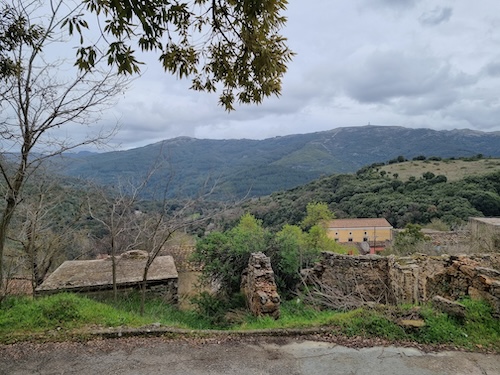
(261, 355)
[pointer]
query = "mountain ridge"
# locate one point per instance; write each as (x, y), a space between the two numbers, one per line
(277, 163)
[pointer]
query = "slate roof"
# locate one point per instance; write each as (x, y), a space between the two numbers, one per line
(78, 275)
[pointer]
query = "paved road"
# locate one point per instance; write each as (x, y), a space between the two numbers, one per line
(276, 356)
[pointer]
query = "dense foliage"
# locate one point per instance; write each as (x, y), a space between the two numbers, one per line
(225, 254)
(368, 194)
(231, 46)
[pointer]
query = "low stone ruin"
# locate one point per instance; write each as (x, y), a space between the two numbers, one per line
(259, 287)
(94, 277)
(340, 281)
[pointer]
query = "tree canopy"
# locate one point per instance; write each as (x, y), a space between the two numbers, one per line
(224, 45)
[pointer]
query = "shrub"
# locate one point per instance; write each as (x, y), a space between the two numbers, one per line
(62, 308)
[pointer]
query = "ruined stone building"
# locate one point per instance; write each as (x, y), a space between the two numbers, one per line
(94, 277)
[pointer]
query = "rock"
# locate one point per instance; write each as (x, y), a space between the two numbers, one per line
(449, 307)
(411, 323)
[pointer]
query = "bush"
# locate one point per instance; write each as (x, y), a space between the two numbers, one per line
(211, 308)
(225, 255)
(214, 309)
(62, 308)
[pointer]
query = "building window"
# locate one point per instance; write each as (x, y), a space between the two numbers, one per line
(365, 239)
(336, 240)
(350, 240)
(350, 233)
(366, 233)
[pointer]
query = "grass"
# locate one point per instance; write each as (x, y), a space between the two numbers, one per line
(454, 170)
(68, 311)
(22, 318)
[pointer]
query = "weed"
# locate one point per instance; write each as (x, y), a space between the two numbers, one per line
(27, 317)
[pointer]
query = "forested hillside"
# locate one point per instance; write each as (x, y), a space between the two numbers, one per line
(239, 168)
(368, 194)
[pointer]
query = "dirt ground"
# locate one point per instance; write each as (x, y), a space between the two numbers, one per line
(237, 355)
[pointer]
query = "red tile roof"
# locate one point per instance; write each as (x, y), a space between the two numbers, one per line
(359, 223)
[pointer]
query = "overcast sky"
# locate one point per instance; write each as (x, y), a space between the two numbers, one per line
(412, 63)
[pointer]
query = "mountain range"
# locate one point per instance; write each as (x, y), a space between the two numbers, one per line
(255, 168)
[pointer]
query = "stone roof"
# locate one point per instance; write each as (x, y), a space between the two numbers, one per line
(78, 275)
(359, 223)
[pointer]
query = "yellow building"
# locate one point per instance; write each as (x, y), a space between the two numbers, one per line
(376, 232)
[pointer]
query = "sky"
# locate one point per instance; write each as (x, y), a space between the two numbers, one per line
(413, 63)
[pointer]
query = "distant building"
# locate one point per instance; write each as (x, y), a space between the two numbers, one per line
(485, 231)
(371, 234)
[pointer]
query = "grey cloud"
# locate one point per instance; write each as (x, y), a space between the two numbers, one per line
(492, 69)
(388, 75)
(436, 16)
(377, 61)
(398, 4)
(431, 102)
(476, 114)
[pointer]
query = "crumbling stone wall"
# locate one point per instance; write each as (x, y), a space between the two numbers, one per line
(447, 240)
(167, 291)
(408, 276)
(259, 287)
(413, 279)
(364, 278)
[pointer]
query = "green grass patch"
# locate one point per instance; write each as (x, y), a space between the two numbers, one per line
(367, 323)
(294, 314)
(454, 170)
(478, 329)
(62, 311)
(23, 317)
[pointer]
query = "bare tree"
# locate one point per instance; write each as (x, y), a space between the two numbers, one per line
(39, 94)
(159, 227)
(119, 220)
(44, 228)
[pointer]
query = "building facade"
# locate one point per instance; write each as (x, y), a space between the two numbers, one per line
(373, 232)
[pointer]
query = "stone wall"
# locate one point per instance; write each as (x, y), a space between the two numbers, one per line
(167, 291)
(259, 287)
(361, 278)
(352, 281)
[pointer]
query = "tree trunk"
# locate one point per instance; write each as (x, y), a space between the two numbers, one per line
(14, 187)
(113, 268)
(4, 226)
(144, 285)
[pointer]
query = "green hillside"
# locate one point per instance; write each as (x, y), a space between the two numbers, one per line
(240, 168)
(401, 201)
(453, 169)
